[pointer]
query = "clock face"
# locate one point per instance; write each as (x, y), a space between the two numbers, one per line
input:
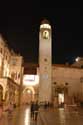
(45, 34)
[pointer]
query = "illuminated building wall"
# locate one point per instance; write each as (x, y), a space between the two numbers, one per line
(11, 71)
(69, 79)
(10, 63)
(16, 70)
(30, 80)
(2, 44)
(63, 78)
(6, 62)
(62, 75)
(5, 57)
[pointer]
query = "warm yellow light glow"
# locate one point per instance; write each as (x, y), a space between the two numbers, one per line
(0, 61)
(61, 98)
(46, 34)
(77, 59)
(30, 88)
(6, 70)
(29, 91)
(30, 80)
(46, 26)
(27, 117)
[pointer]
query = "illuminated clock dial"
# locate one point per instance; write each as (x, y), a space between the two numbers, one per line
(46, 34)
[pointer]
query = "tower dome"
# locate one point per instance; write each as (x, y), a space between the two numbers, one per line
(45, 21)
(45, 24)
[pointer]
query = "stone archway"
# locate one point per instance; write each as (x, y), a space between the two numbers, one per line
(28, 95)
(60, 96)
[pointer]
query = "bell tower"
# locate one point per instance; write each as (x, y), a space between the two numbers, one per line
(45, 61)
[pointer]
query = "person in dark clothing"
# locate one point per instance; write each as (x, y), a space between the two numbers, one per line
(36, 110)
(32, 110)
(46, 105)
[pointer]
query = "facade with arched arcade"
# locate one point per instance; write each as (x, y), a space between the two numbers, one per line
(11, 72)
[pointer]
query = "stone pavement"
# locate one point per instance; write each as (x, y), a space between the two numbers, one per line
(19, 116)
(60, 116)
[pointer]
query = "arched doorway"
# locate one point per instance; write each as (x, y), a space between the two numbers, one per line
(60, 96)
(28, 95)
(1, 93)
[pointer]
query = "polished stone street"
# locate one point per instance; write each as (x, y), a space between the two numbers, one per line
(58, 116)
(19, 116)
(61, 116)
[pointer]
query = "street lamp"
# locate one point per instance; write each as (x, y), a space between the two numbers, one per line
(77, 59)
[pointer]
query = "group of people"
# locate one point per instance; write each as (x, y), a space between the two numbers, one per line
(34, 110)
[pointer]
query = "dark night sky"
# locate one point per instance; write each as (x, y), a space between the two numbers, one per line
(22, 30)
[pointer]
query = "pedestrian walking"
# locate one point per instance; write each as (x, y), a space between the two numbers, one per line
(46, 105)
(32, 110)
(36, 109)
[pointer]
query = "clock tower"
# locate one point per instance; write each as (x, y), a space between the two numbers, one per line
(45, 61)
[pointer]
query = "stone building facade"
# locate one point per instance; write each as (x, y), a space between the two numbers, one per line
(11, 72)
(67, 80)
(58, 83)
(66, 85)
